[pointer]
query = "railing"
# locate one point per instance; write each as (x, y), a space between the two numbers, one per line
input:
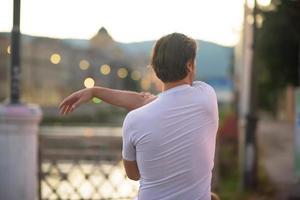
(82, 163)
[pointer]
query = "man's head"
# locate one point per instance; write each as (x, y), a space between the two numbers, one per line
(173, 57)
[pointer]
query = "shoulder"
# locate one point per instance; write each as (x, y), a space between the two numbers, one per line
(133, 123)
(206, 91)
(139, 118)
(200, 84)
(133, 116)
(142, 112)
(130, 117)
(203, 86)
(128, 122)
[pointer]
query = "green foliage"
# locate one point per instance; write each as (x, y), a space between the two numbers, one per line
(277, 51)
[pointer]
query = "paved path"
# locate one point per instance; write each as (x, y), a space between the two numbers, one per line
(276, 155)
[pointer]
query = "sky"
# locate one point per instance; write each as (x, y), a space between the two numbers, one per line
(217, 21)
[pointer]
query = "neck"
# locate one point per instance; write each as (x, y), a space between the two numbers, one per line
(170, 85)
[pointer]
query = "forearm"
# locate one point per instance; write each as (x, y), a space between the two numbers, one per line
(121, 98)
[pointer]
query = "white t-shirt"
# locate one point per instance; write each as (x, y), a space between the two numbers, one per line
(173, 141)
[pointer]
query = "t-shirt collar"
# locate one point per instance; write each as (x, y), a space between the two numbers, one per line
(174, 89)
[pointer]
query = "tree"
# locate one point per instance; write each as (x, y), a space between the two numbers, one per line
(278, 51)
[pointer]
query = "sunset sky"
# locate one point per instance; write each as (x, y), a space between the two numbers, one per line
(128, 21)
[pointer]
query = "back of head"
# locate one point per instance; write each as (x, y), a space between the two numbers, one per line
(170, 56)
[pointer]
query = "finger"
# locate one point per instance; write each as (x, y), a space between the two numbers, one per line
(76, 104)
(65, 101)
(143, 94)
(65, 109)
(147, 94)
(70, 108)
(61, 109)
(62, 103)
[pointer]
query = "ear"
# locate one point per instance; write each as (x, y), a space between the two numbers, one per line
(190, 65)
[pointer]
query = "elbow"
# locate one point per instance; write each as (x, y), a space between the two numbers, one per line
(134, 106)
(132, 170)
(130, 108)
(134, 177)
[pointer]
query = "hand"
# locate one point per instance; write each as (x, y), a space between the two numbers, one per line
(71, 102)
(148, 97)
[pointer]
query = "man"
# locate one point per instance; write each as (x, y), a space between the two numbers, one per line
(169, 139)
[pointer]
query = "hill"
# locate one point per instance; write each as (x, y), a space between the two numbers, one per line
(213, 60)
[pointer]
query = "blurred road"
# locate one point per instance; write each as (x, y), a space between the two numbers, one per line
(276, 156)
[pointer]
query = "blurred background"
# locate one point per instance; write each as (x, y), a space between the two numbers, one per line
(249, 51)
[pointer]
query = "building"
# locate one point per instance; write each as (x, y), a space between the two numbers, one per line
(52, 68)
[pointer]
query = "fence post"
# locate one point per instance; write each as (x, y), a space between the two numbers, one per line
(19, 151)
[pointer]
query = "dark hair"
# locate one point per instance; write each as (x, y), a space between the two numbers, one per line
(170, 56)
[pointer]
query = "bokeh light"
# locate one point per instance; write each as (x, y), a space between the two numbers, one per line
(264, 2)
(96, 100)
(259, 20)
(89, 82)
(250, 19)
(105, 69)
(122, 72)
(55, 58)
(250, 3)
(84, 64)
(8, 49)
(136, 75)
(145, 84)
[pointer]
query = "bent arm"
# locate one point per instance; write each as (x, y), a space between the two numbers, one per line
(125, 99)
(131, 169)
(121, 98)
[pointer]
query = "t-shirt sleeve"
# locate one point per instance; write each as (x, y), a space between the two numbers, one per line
(128, 149)
(212, 101)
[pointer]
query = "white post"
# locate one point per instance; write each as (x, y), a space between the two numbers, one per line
(19, 151)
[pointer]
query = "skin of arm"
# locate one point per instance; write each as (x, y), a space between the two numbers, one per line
(121, 98)
(131, 169)
(126, 99)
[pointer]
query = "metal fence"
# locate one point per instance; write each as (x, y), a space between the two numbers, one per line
(80, 166)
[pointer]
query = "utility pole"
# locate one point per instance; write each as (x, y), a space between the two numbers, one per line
(250, 159)
(299, 62)
(15, 69)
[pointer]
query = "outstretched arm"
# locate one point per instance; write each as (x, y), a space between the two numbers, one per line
(121, 98)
